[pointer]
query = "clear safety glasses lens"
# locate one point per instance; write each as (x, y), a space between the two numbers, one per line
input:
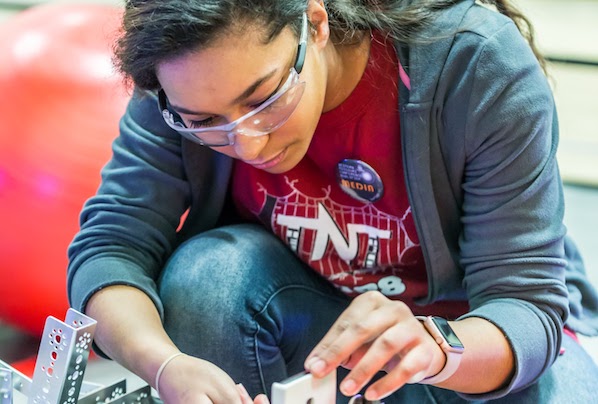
(263, 120)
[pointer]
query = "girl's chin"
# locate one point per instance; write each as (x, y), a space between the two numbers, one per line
(286, 163)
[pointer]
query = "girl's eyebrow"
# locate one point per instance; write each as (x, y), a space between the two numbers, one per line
(251, 89)
(246, 94)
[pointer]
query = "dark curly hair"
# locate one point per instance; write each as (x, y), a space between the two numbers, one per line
(156, 30)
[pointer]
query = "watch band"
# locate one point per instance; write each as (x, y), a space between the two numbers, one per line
(444, 335)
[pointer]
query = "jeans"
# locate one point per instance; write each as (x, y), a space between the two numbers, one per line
(239, 298)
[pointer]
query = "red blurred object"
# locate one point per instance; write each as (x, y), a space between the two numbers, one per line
(60, 102)
(25, 366)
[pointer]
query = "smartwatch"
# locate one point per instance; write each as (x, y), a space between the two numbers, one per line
(452, 347)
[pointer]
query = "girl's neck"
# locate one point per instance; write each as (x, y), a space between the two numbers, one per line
(346, 64)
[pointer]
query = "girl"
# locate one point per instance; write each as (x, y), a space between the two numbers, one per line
(370, 186)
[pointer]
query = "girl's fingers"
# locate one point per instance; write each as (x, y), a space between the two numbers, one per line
(366, 318)
(261, 399)
(245, 397)
(412, 366)
(384, 351)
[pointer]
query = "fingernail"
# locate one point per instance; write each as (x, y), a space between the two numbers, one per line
(348, 386)
(310, 362)
(372, 395)
(316, 365)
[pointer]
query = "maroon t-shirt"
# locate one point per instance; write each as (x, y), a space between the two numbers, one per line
(357, 244)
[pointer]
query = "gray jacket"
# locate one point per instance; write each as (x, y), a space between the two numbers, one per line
(479, 136)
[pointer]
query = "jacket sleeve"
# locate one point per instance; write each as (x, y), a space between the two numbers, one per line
(129, 227)
(511, 243)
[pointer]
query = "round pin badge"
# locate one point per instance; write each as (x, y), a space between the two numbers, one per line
(359, 180)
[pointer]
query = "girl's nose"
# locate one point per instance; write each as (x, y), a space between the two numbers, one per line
(249, 147)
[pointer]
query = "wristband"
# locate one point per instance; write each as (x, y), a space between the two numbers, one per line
(450, 344)
(162, 367)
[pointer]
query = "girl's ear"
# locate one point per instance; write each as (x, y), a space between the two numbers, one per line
(318, 21)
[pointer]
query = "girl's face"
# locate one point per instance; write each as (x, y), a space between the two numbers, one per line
(237, 73)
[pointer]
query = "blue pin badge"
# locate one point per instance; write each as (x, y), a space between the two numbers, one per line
(359, 180)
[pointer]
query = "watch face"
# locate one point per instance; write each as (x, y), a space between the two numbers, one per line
(448, 333)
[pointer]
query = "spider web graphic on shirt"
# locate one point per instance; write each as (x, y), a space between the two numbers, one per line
(338, 240)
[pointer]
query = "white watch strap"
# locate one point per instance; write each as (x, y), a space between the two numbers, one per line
(452, 363)
(453, 359)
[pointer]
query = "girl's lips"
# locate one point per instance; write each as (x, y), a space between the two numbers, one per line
(270, 163)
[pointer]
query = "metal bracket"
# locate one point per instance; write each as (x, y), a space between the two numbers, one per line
(59, 369)
(104, 394)
(62, 358)
(19, 381)
(5, 386)
(142, 395)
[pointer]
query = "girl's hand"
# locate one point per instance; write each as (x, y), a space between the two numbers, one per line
(375, 333)
(190, 380)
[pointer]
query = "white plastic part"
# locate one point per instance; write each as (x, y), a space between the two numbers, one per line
(303, 388)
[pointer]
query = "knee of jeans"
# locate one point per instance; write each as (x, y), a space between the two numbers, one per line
(217, 266)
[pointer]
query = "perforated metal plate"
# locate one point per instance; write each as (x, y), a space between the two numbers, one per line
(62, 358)
(139, 396)
(5, 386)
(20, 382)
(104, 394)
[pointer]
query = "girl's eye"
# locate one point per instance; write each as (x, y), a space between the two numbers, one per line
(255, 105)
(201, 124)
(265, 100)
(271, 107)
(260, 103)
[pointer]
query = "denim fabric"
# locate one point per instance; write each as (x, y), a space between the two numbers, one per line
(238, 297)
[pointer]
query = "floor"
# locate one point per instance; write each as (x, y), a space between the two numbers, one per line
(565, 29)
